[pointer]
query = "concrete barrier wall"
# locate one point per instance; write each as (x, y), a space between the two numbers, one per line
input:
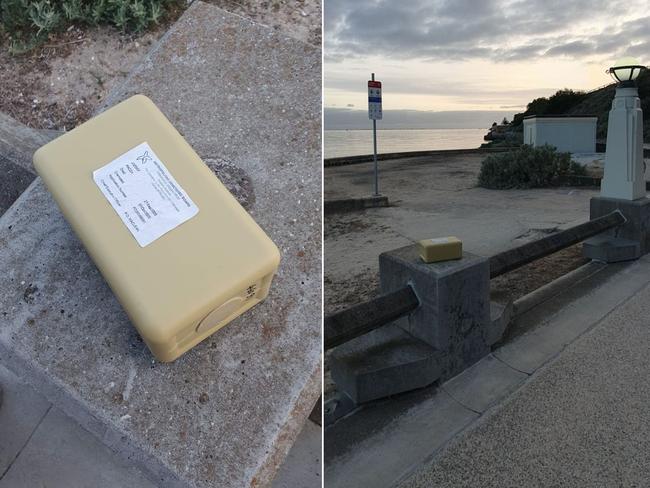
(411, 154)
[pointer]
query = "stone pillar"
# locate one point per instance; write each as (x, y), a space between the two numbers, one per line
(449, 331)
(454, 312)
(624, 173)
(623, 187)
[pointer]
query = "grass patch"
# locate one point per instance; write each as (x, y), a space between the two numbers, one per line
(527, 167)
(27, 23)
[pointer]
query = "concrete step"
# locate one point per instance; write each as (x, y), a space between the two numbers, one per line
(226, 413)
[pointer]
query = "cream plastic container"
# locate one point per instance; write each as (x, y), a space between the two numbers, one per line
(179, 252)
(440, 249)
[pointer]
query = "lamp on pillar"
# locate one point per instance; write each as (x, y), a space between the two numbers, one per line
(623, 187)
(624, 173)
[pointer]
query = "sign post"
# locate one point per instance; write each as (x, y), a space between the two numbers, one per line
(374, 114)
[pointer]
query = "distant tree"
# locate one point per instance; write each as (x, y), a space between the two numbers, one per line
(538, 106)
(504, 121)
(563, 100)
(494, 124)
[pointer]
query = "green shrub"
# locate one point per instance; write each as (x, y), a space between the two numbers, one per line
(527, 167)
(27, 23)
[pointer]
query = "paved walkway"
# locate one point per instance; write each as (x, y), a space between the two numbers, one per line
(582, 420)
(42, 447)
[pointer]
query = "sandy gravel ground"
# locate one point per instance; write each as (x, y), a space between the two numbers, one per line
(60, 84)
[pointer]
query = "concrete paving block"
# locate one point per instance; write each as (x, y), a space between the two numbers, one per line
(484, 384)
(61, 454)
(302, 467)
(227, 412)
(21, 410)
(534, 348)
(384, 443)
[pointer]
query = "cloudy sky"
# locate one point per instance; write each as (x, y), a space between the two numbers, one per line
(441, 55)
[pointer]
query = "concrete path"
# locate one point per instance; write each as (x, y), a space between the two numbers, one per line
(499, 416)
(42, 447)
(582, 420)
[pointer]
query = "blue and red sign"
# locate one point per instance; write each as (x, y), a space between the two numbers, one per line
(374, 100)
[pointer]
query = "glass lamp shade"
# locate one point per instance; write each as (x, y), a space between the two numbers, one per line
(625, 69)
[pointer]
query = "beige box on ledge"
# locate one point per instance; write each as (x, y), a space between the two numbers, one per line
(440, 249)
(179, 252)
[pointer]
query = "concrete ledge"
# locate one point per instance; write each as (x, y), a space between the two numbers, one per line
(383, 362)
(351, 204)
(345, 160)
(609, 249)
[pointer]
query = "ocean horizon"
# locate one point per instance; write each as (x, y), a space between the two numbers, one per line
(356, 142)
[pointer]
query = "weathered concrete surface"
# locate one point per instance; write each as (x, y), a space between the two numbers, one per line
(454, 310)
(484, 384)
(34, 451)
(15, 430)
(60, 454)
(581, 421)
(17, 144)
(227, 412)
(387, 440)
(450, 330)
(302, 467)
(383, 362)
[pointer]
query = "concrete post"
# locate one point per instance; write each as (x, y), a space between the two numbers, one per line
(451, 329)
(624, 176)
(623, 187)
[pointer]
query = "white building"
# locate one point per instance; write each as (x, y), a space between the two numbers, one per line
(575, 134)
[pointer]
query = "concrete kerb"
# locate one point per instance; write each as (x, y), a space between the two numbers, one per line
(342, 161)
(352, 204)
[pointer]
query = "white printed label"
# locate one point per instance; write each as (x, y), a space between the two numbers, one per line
(441, 240)
(144, 194)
